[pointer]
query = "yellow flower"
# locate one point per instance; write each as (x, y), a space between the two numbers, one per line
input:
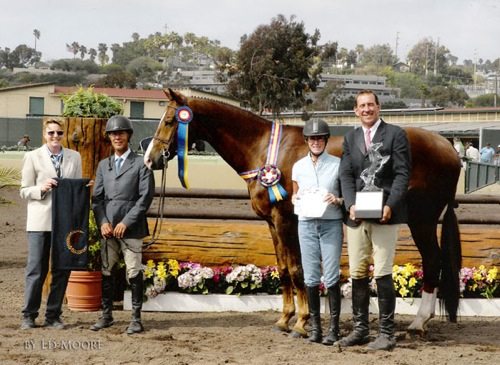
(403, 291)
(478, 274)
(150, 264)
(402, 281)
(275, 274)
(173, 267)
(161, 271)
(492, 274)
(412, 282)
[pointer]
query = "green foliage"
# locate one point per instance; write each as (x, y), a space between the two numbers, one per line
(75, 65)
(276, 65)
(394, 105)
(94, 245)
(487, 100)
(379, 55)
(427, 56)
(87, 103)
(21, 56)
(144, 68)
(8, 177)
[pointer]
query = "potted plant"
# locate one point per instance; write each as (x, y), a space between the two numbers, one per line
(84, 287)
(86, 113)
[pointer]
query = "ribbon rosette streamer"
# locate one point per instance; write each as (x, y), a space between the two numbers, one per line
(184, 115)
(269, 175)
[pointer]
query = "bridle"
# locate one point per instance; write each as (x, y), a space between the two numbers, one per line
(163, 185)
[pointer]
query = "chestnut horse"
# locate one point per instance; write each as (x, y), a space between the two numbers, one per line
(241, 138)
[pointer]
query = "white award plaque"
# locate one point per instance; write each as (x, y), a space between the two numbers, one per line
(369, 204)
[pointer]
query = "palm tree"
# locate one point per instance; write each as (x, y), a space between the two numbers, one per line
(36, 33)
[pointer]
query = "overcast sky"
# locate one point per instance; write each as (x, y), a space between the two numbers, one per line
(470, 29)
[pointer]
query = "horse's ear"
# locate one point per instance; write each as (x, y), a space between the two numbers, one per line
(175, 96)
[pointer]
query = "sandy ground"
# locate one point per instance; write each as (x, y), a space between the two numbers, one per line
(204, 338)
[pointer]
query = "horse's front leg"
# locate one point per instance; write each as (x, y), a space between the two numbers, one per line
(303, 309)
(288, 310)
(289, 242)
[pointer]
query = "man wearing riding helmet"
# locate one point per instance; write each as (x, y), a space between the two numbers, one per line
(315, 179)
(123, 192)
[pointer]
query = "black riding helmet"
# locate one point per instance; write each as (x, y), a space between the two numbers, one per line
(316, 127)
(119, 123)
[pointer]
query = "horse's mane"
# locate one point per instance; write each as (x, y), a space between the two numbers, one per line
(231, 106)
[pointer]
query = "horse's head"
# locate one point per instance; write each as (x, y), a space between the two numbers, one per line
(163, 146)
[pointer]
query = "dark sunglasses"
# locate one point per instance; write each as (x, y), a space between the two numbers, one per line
(59, 133)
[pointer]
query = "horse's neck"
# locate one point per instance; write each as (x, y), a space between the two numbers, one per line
(238, 136)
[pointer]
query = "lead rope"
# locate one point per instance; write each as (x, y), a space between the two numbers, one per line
(161, 204)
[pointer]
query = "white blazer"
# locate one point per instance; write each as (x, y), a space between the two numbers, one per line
(37, 168)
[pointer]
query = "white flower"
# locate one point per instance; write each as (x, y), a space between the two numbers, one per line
(346, 289)
(195, 276)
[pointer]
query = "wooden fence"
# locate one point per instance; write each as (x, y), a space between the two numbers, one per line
(214, 227)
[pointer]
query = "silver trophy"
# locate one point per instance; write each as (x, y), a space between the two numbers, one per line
(369, 200)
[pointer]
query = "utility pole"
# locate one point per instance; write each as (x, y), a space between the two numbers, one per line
(435, 57)
(396, 48)
(496, 83)
(496, 89)
(475, 78)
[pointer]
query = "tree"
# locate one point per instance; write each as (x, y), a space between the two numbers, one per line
(83, 51)
(481, 101)
(21, 56)
(92, 54)
(447, 96)
(116, 76)
(36, 33)
(102, 48)
(144, 68)
(276, 65)
(427, 56)
(380, 55)
(328, 97)
(73, 48)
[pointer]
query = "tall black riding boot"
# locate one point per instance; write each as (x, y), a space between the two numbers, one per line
(334, 302)
(106, 320)
(136, 286)
(360, 304)
(314, 313)
(386, 306)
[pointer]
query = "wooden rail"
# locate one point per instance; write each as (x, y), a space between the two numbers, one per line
(472, 209)
(201, 226)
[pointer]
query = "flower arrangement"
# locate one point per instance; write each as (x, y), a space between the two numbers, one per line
(479, 282)
(408, 280)
(193, 278)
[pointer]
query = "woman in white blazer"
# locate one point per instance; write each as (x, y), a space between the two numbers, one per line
(41, 167)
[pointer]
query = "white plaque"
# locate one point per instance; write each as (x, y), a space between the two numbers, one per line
(369, 204)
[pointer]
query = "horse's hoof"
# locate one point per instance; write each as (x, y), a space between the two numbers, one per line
(416, 332)
(295, 334)
(279, 329)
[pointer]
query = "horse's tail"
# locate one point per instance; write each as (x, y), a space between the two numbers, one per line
(451, 262)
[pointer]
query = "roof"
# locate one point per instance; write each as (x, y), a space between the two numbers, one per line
(455, 128)
(25, 86)
(154, 94)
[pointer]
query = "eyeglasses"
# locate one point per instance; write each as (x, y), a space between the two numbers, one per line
(51, 133)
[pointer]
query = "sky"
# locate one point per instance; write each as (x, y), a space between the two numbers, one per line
(470, 29)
